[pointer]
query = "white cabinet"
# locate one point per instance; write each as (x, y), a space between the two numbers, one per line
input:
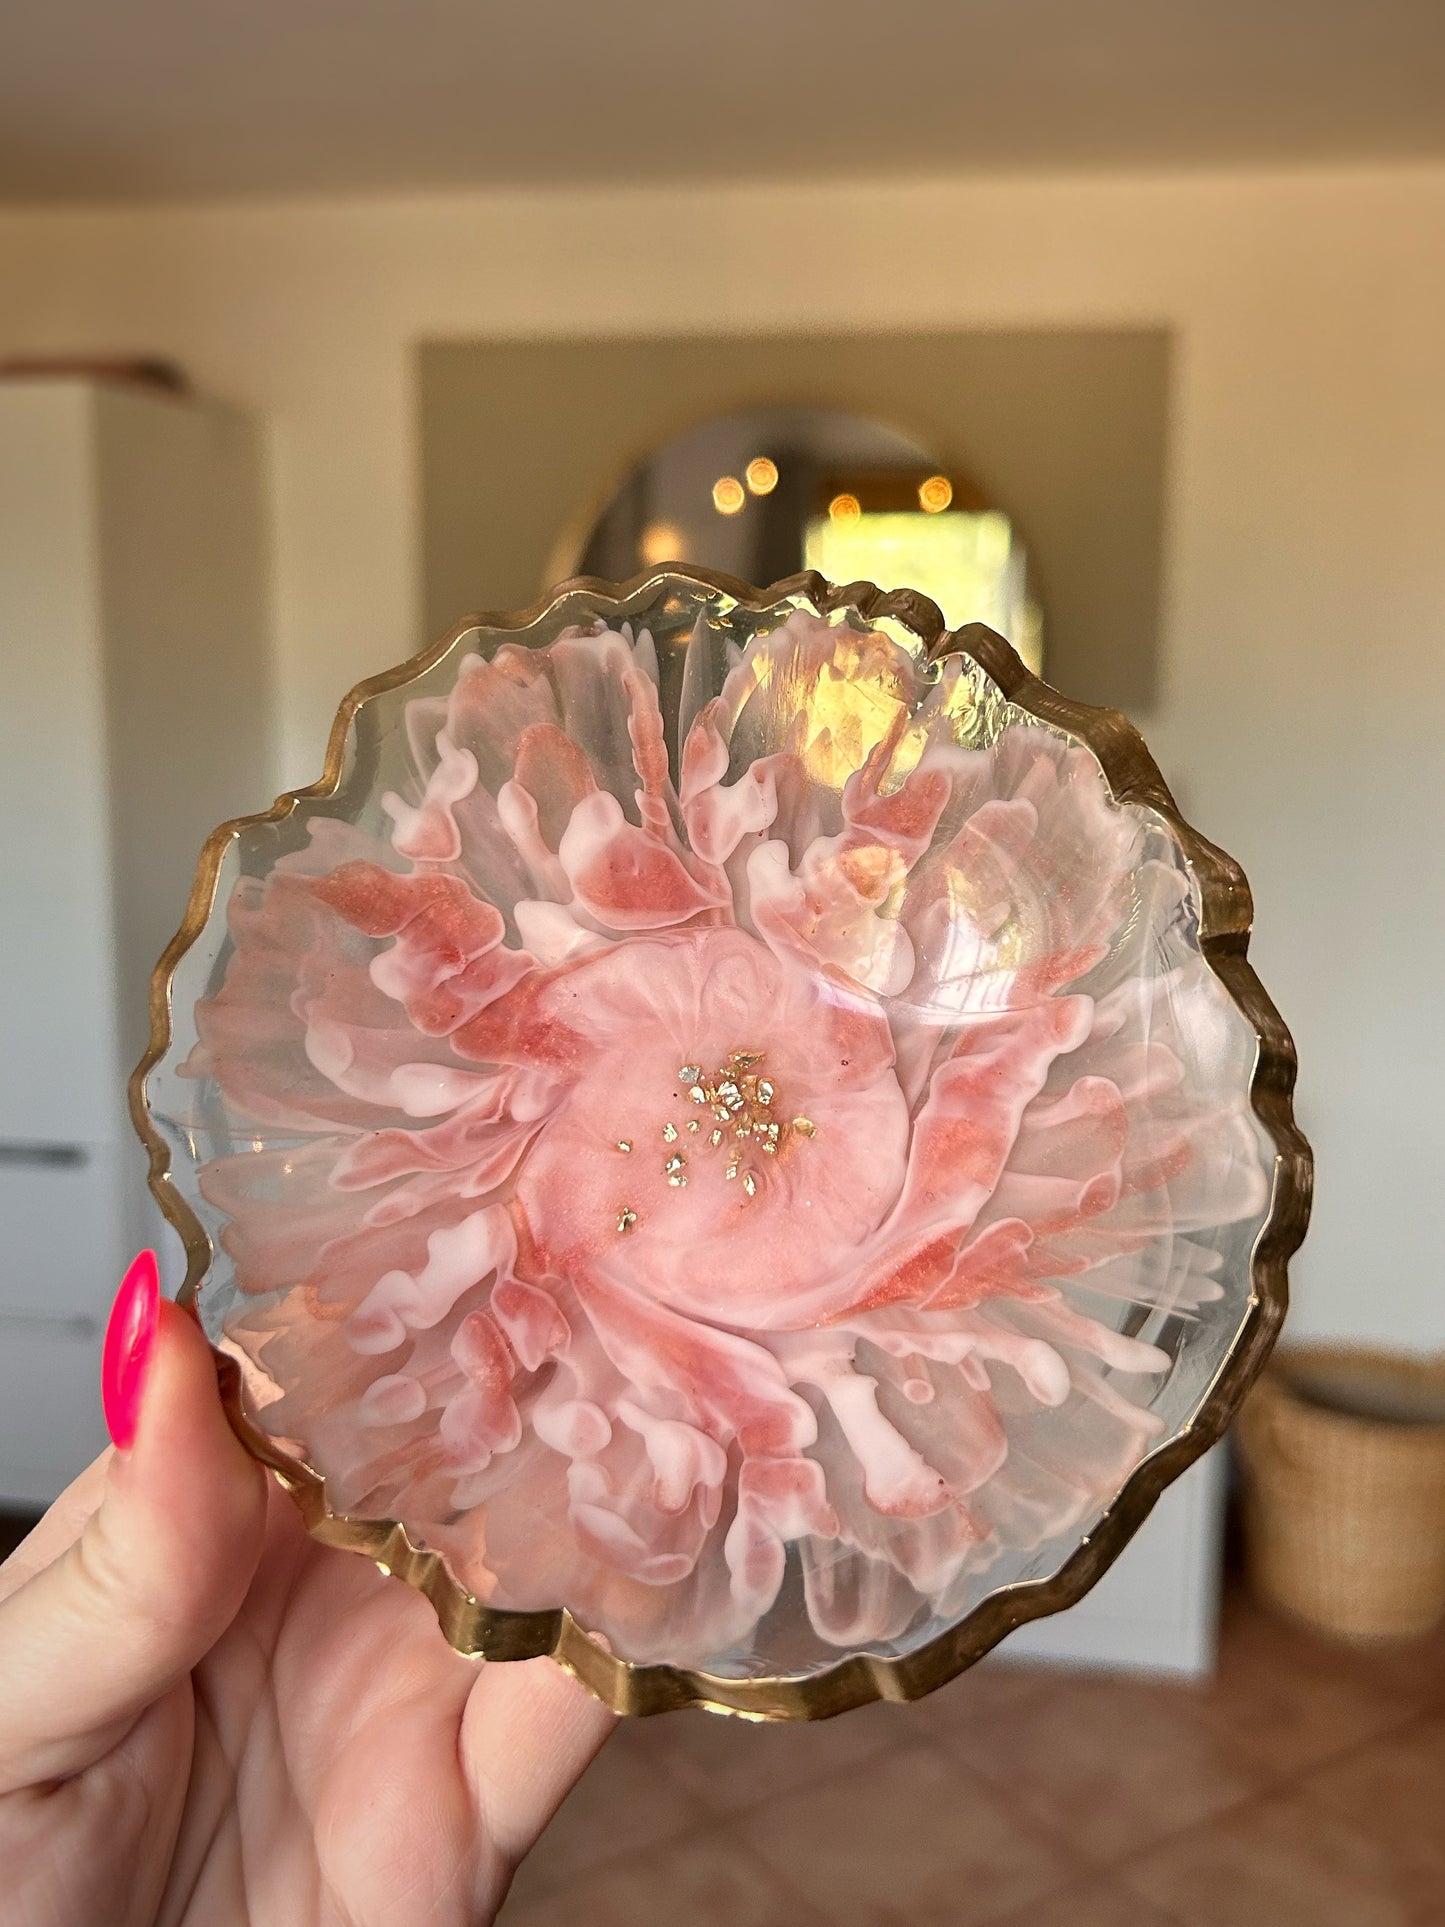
(134, 715)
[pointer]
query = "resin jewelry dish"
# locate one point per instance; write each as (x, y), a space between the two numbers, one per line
(729, 1139)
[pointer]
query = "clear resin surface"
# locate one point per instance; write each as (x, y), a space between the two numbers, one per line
(719, 1123)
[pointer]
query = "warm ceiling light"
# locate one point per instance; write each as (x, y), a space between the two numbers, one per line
(762, 475)
(844, 508)
(935, 494)
(727, 495)
(661, 542)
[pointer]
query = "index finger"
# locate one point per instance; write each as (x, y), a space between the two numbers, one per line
(58, 1528)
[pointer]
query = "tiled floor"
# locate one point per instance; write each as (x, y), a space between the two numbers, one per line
(1302, 1787)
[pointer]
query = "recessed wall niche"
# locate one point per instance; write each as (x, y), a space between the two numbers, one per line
(524, 444)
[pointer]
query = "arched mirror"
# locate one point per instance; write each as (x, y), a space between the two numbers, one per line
(767, 492)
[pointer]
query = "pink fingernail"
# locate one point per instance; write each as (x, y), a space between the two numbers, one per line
(129, 1341)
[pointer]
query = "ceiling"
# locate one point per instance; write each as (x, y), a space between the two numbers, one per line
(162, 99)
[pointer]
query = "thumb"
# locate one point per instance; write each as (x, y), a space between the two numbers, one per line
(160, 1567)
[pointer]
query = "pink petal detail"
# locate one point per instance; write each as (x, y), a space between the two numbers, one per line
(457, 1258)
(447, 961)
(718, 818)
(429, 831)
(623, 876)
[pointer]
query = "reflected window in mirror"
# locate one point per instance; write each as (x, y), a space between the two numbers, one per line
(765, 493)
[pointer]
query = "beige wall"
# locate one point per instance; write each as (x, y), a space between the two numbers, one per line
(1304, 663)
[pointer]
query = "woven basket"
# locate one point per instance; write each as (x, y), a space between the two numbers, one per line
(1343, 1452)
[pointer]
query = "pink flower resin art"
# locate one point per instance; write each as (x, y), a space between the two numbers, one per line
(762, 1199)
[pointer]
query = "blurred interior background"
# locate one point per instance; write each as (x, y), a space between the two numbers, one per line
(1120, 326)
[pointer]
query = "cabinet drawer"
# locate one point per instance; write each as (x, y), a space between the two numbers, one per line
(62, 1231)
(51, 1425)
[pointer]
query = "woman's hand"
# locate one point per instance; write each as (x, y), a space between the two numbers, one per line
(207, 1717)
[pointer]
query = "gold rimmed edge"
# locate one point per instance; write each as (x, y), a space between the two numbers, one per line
(480, 1631)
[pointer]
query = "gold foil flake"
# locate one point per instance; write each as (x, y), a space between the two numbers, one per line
(624, 1144)
(626, 1218)
(741, 1100)
(805, 1127)
(677, 1181)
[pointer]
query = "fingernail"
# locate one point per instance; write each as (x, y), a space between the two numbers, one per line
(130, 1339)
